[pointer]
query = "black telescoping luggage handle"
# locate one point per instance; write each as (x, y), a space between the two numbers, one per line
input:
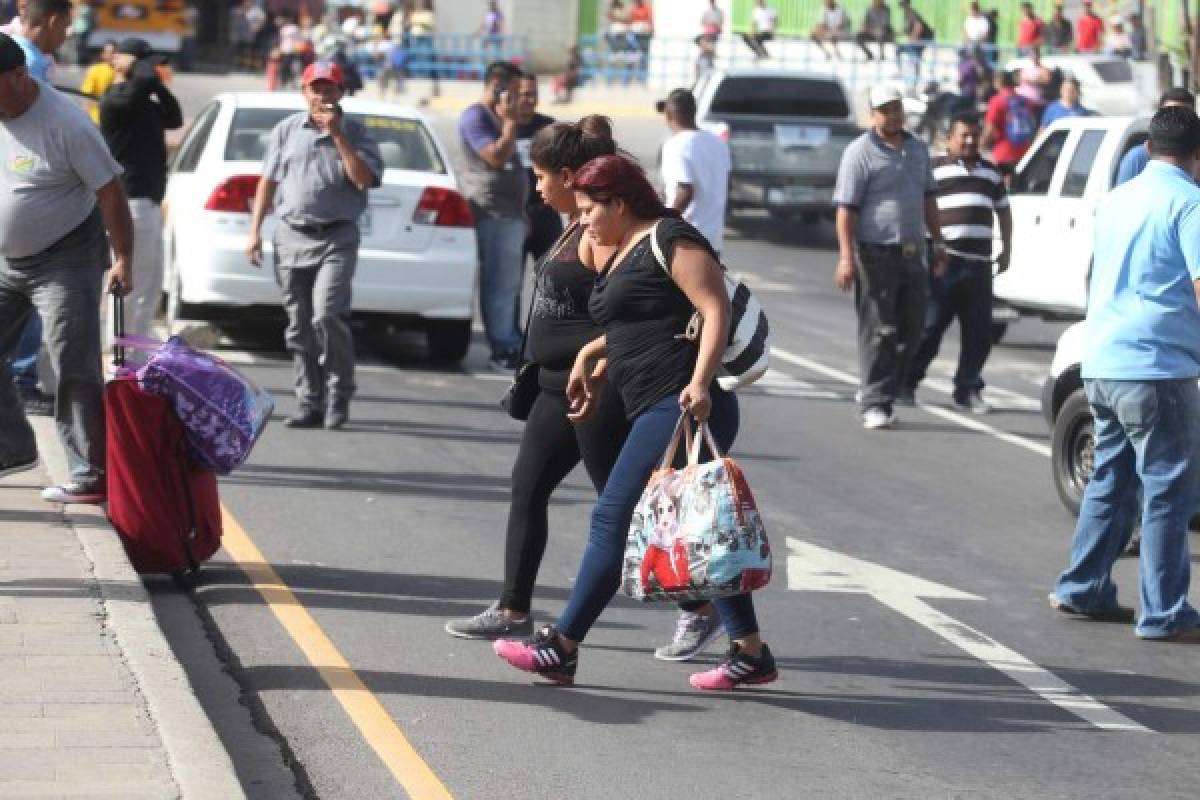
(118, 316)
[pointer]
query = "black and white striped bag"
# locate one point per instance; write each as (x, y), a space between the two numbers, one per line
(746, 355)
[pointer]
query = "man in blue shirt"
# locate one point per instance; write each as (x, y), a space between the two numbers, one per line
(1067, 105)
(1140, 368)
(43, 29)
(1138, 157)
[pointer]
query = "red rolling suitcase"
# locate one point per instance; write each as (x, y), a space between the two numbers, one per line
(164, 507)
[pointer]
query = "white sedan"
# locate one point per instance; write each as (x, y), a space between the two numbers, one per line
(417, 264)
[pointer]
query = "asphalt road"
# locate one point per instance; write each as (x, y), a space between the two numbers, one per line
(963, 685)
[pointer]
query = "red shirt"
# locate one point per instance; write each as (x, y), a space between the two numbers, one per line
(1003, 151)
(1087, 33)
(1029, 31)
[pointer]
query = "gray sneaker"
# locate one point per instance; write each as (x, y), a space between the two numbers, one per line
(491, 623)
(693, 634)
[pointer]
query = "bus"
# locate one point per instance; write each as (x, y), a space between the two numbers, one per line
(162, 23)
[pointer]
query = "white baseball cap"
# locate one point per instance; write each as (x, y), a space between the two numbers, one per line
(882, 94)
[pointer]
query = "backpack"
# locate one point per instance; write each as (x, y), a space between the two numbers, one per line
(1020, 125)
(746, 354)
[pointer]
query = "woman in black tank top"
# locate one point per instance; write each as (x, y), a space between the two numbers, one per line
(644, 307)
(558, 328)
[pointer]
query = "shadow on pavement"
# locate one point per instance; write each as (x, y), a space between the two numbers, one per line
(456, 486)
(579, 702)
(435, 596)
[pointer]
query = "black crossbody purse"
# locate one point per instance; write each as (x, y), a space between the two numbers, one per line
(518, 400)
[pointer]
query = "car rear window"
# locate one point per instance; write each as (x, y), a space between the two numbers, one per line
(780, 97)
(404, 143)
(1115, 71)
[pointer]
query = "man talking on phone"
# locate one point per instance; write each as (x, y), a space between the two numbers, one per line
(496, 183)
(316, 173)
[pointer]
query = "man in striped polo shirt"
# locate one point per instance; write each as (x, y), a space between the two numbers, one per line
(969, 192)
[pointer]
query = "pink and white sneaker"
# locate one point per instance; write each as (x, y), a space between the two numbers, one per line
(542, 655)
(738, 669)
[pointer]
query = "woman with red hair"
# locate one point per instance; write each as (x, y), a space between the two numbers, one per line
(644, 309)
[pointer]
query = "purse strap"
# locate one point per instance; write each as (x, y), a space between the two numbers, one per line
(553, 253)
(682, 435)
(703, 436)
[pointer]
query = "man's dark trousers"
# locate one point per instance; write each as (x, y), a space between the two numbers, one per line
(963, 293)
(890, 295)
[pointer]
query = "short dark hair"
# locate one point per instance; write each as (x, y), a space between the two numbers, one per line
(500, 70)
(1175, 132)
(36, 11)
(682, 102)
(1178, 95)
(1007, 79)
(969, 118)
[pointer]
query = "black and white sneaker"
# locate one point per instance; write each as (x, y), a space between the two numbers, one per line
(75, 492)
(13, 466)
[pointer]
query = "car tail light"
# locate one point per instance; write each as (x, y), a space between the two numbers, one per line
(168, 5)
(445, 208)
(235, 194)
(721, 129)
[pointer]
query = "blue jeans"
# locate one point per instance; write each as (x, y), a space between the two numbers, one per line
(600, 571)
(1148, 430)
(24, 359)
(501, 263)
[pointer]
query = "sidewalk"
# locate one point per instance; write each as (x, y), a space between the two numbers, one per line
(94, 702)
(617, 101)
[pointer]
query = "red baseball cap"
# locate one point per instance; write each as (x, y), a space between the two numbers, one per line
(322, 71)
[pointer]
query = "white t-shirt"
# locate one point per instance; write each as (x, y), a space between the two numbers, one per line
(976, 28)
(702, 160)
(835, 19)
(764, 19)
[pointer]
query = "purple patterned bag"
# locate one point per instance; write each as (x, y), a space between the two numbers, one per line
(222, 411)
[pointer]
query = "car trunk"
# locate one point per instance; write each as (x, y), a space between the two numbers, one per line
(388, 224)
(787, 147)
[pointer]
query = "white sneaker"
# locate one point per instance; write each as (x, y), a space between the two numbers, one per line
(878, 417)
(974, 403)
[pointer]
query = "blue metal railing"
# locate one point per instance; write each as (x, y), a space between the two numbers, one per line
(445, 56)
(666, 61)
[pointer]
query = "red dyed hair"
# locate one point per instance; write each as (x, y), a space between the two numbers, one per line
(619, 177)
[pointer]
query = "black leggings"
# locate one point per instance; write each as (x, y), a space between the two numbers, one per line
(550, 448)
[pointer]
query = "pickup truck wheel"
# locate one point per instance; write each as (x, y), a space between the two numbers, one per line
(448, 339)
(1073, 450)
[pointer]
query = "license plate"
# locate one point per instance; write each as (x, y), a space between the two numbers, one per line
(801, 135)
(790, 195)
(364, 223)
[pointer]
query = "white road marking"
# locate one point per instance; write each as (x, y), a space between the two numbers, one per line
(1000, 399)
(760, 284)
(815, 569)
(780, 384)
(969, 422)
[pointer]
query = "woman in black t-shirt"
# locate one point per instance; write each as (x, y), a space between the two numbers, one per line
(644, 308)
(559, 326)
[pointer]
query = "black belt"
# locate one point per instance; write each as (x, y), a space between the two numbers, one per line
(316, 229)
(902, 249)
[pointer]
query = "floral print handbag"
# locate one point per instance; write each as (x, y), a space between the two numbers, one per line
(696, 533)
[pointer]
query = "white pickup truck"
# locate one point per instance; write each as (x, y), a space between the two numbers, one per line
(1054, 194)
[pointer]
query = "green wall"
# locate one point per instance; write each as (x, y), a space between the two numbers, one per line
(797, 17)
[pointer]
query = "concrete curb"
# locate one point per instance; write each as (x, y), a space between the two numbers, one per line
(199, 763)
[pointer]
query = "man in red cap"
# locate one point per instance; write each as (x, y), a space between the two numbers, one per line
(316, 173)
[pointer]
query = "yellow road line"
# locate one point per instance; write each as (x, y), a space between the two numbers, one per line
(364, 709)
